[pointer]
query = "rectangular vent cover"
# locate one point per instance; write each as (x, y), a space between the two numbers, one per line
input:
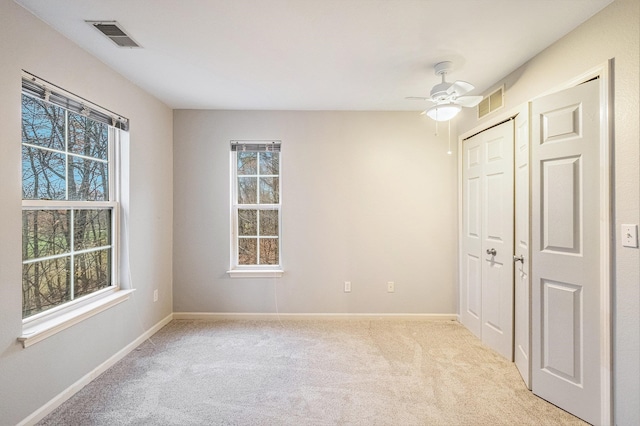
(492, 102)
(114, 32)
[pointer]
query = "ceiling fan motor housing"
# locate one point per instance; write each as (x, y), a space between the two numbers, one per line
(439, 91)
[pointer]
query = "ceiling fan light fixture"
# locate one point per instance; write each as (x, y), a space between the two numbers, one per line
(443, 112)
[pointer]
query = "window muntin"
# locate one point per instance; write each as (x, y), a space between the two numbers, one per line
(256, 205)
(68, 209)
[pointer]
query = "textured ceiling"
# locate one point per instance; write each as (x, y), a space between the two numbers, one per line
(313, 54)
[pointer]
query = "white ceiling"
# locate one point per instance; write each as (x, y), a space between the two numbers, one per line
(313, 54)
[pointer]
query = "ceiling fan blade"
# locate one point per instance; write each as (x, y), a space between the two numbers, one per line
(418, 98)
(460, 88)
(468, 101)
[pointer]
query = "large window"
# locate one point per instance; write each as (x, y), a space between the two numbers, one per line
(69, 209)
(256, 201)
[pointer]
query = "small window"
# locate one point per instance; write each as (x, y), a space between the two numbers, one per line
(256, 206)
(69, 207)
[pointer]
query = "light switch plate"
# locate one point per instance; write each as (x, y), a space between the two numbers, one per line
(629, 236)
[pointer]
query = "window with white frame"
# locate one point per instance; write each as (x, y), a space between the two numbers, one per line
(256, 205)
(69, 207)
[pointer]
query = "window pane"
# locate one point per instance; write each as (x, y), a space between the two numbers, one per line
(42, 124)
(45, 285)
(269, 163)
(269, 222)
(247, 248)
(65, 156)
(88, 137)
(42, 174)
(268, 251)
(248, 222)
(247, 163)
(88, 180)
(247, 190)
(92, 272)
(44, 233)
(269, 190)
(91, 228)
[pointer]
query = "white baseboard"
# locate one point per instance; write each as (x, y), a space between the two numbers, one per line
(54, 403)
(211, 316)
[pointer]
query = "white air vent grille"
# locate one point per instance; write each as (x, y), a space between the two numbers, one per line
(114, 32)
(490, 103)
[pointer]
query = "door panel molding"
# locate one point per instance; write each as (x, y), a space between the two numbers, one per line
(580, 253)
(486, 262)
(604, 72)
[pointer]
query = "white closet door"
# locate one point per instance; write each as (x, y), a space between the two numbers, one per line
(522, 334)
(471, 262)
(566, 233)
(487, 240)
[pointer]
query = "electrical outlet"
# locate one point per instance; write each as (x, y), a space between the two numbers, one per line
(155, 295)
(347, 286)
(391, 287)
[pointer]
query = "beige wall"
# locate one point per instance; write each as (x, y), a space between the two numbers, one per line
(368, 197)
(612, 33)
(27, 379)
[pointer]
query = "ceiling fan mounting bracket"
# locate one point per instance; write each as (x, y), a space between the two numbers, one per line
(442, 68)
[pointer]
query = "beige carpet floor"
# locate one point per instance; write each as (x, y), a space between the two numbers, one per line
(342, 372)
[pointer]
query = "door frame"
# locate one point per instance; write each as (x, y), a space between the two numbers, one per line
(604, 72)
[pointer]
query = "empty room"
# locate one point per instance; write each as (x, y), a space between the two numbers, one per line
(319, 212)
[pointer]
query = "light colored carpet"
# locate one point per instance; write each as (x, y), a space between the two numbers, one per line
(342, 372)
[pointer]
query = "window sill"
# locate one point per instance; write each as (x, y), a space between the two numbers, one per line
(36, 333)
(246, 273)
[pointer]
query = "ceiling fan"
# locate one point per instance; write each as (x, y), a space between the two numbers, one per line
(448, 98)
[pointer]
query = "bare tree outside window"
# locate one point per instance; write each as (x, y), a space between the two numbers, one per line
(66, 250)
(257, 205)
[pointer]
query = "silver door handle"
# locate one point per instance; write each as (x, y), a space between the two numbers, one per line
(518, 258)
(491, 251)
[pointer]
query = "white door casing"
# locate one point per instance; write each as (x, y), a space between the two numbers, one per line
(522, 332)
(487, 240)
(566, 249)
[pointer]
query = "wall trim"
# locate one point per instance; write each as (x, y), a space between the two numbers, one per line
(212, 316)
(63, 396)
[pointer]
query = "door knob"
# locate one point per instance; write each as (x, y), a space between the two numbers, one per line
(491, 251)
(518, 258)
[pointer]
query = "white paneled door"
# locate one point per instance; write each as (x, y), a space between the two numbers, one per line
(486, 294)
(522, 258)
(566, 249)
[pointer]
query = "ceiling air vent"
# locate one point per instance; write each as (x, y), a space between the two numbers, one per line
(492, 102)
(114, 32)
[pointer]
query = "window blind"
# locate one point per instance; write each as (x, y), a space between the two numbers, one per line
(41, 89)
(256, 146)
